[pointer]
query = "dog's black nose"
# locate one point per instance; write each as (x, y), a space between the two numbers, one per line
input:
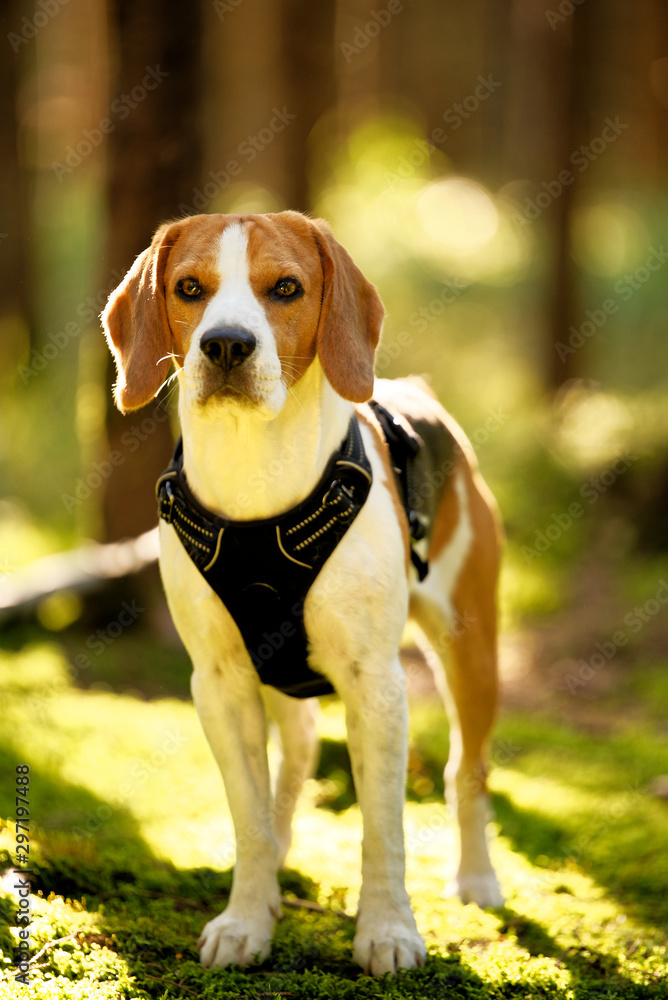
(228, 346)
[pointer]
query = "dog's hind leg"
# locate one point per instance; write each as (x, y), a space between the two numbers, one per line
(456, 609)
(295, 718)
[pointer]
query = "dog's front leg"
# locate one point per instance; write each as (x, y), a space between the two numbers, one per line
(377, 719)
(232, 716)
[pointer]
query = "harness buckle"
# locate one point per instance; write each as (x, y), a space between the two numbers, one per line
(339, 491)
(417, 525)
(168, 517)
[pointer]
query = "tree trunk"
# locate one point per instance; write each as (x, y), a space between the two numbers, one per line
(14, 283)
(310, 87)
(155, 164)
(242, 152)
(546, 102)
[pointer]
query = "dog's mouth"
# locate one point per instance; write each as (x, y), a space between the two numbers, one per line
(240, 388)
(222, 389)
(232, 393)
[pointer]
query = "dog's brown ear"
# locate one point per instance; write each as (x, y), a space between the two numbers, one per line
(136, 326)
(350, 320)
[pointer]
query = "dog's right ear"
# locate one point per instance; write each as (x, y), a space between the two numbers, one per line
(136, 325)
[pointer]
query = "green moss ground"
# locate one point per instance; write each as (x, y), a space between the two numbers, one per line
(130, 840)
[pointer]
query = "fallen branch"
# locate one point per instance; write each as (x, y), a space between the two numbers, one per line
(81, 570)
(307, 904)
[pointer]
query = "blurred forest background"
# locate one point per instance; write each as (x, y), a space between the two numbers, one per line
(497, 168)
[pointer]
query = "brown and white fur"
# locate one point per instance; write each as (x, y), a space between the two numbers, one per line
(258, 431)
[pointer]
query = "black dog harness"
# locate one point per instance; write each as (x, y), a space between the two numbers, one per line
(404, 445)
(262, 570)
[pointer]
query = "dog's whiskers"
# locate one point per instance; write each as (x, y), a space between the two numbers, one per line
(165, 356)
(291, 369)
(292, 394)
(170, 378)
(170, 393)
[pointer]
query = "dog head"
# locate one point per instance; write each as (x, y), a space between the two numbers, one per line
(242, 304)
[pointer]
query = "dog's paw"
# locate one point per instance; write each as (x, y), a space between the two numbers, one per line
(229, 940)
(482, 889)
(387, 947)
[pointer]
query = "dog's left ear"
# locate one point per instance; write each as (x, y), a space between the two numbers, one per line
(350, 320)
(136, 325)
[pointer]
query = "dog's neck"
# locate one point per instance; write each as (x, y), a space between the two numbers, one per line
(244, 467)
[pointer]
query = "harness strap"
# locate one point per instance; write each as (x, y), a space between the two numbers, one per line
(404, 445)
(262, 570)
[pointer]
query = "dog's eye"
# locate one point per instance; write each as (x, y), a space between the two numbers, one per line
(189, 287)
(286, 288)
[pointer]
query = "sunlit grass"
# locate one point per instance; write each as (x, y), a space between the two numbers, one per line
(128, 816)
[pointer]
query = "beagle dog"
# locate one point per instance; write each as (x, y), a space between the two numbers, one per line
(272, 331)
